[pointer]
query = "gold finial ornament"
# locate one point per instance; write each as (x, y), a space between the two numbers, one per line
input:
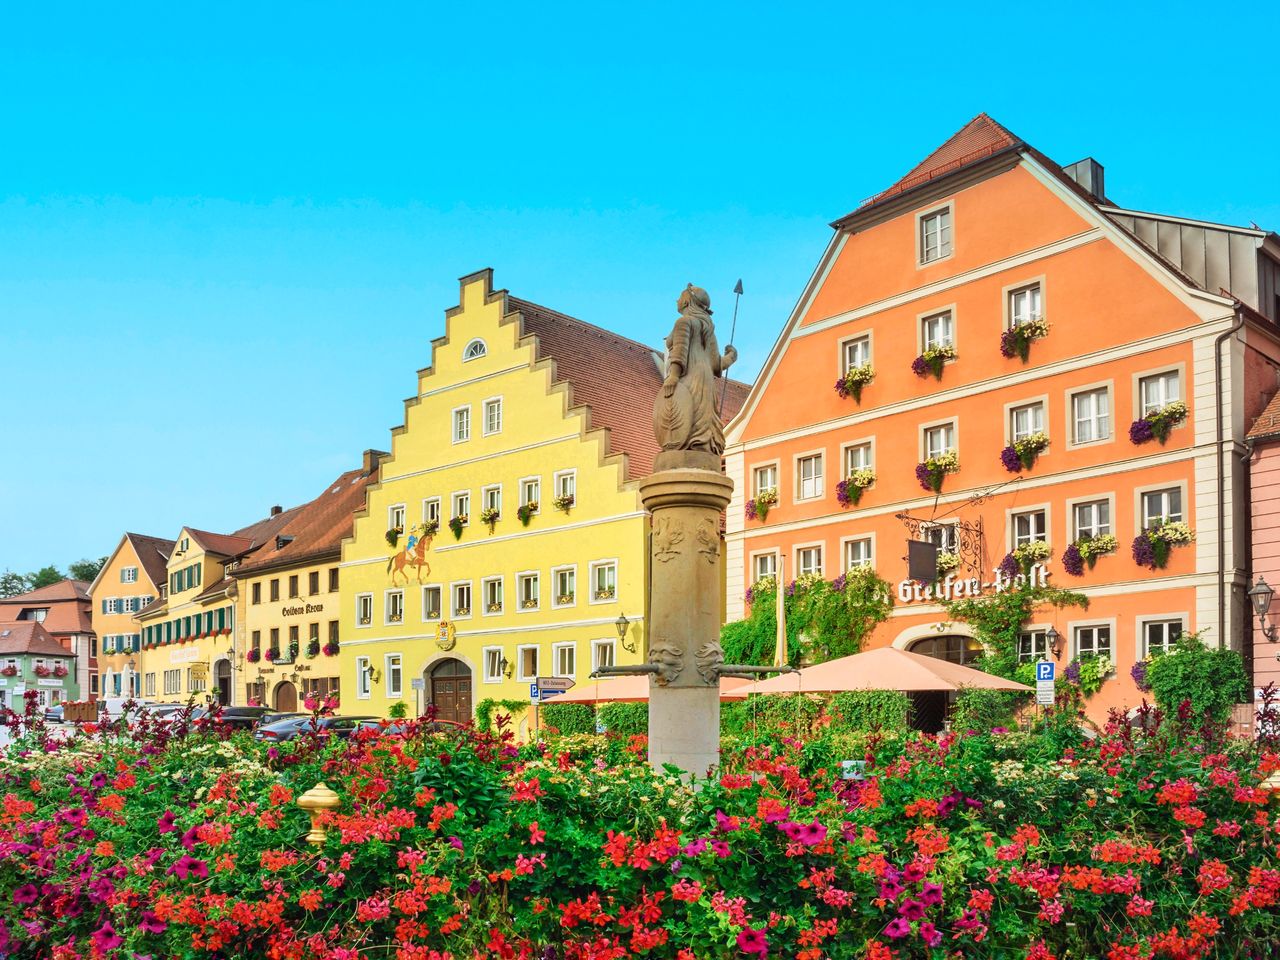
(315, 801)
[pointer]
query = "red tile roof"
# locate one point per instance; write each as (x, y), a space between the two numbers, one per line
(29, 637)
(616, 378)
(153, 553)
(225, 545)
(1268, 422)
(62, 590)
(67, 601)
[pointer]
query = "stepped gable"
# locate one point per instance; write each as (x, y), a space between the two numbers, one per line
(617, 378)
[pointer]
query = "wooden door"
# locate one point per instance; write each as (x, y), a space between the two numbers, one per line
(452, 698)
(286, 698)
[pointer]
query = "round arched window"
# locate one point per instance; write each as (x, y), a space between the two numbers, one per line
(474, 349)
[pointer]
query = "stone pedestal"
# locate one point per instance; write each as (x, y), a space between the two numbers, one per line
(684, 615)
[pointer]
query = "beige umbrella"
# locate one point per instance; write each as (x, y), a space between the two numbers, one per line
(886, 668)
(635, 690)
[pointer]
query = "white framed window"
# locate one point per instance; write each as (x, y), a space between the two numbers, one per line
(364, 609)
(1091, 519)
(173, 681)
(1025, 420)
(530, 492)
(491, 498)
(462, 507)
(857, 456)
(857, 553)
(1161, 507)
(566, 484)
(809, 481)
(527, 590)
(1091, 415)
(492, 590)
(564, 659)
(565, 582)
(935, 235)
(431, 510)
(461, 599)
(855, 353)
(149, 685)
(492, 658)
(1158, 391)
(474, 350)
(604, 581)
(603, 654)
(1093, 639)
(764, 477)
(527, 662)
(1029, 526)
(809, 560)
(1160, 636)
(764, 565)
(128, 574)
(115, 605)
(1024, 304)
(937, 330)
(492, 416)
(461, 424)
(944, 536)
(395, 517)
(394, 674)
(1033, 645)
(431, 602)
(393, 606)
(364, 677)
(939, 439)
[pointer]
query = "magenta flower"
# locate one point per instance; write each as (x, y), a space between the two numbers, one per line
(931, 894)
(912, 909)
(811, 834)
(150, 923)
(929, 934)
(696, 847)
(27, 893)
(185, 866)
(724, 823)
(890, 889)
(720, 849)
(897, 929)
(753, 941)
(165, 823)
(105, 938)
(914, 873)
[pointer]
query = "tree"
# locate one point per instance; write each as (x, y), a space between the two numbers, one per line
(86, 570)
(44, 577)
(12, 584)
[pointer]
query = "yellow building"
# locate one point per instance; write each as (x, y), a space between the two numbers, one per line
(505, 537)
(288, 592)
(189, 635)
(130, 581)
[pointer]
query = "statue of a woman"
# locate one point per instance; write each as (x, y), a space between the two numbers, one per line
(685, 415)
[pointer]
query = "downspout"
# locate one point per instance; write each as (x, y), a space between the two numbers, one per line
(1222, 473)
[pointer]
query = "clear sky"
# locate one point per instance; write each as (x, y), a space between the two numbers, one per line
(228, 232)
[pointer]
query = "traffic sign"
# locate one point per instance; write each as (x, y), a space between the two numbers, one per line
(534, 693)
(1044, 670)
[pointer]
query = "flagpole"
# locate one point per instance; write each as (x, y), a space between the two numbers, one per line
(733, 329)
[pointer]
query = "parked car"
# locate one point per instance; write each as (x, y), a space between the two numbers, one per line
(296, 726)
(53, 714)
(240, 718)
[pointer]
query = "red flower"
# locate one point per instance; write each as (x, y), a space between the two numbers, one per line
(536, 835)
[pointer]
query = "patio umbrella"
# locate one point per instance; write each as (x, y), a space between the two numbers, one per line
(635, 690)
(886, 668)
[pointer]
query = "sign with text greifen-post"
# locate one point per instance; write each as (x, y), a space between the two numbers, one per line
(1044, 682)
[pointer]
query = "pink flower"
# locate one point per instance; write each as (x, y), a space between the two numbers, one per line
(27, 893)
(912, 909)
(165, 823)
(811, 834)
(897, 928)
(150, 923)
(929, 934)
(105, 938)
(931, 894)
(753, 941)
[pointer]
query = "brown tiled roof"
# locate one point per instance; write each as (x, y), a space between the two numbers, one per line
(153, 553)
(316, 528)
(617, 378)
(28, 637)
(67, 601)
(225, 545)
(1268, 422)
(215, 589)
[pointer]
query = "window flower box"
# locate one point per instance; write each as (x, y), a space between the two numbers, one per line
(849, 491)
(758, 506)
(393, 536)
(493, 608)
(1017, 340)
(60, 671)
(42, 671)
(932, 471)
(433, 614)
(8, 672)
(1151, 547)
(565, 599)
(330, 649)
(947, 562)
(851, 384)
(462, 612)
(932, 361)
(272, 655)
(529, 604)
(456, 524)
(1087, 550)
(1021, 454)
(490, 515)
(1158, 423)
(526, 512)
(605, 594)
(226, 631)
(430, 528)
(1029, 554)
(313, 649)
(564, 503)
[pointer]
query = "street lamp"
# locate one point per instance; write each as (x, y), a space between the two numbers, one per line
(1260, 596)
(622, 623)
(1052, 637)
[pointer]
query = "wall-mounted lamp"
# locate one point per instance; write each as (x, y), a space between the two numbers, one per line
(1054, 640)
(374, 674)
(622, 623)
(505, 667)
(1261, 596)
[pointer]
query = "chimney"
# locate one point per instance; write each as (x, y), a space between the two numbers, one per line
(277, 510)
(371, 460)
(1088, 174)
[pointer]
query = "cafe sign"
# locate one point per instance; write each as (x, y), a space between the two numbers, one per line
(952, 587)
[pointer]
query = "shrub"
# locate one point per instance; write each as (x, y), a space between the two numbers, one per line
(567, 718)
(984, 710)
(625, 719)
(1212, 680)
(399, 710)
(486, 709)
(871, 710)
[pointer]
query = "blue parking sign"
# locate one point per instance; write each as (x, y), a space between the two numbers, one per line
(534, 692)
(1044, 669)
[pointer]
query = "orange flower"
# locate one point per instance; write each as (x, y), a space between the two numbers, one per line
(112, 801)
(105, 849)
(310, 900)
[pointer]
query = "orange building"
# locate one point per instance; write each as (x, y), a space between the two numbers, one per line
(1071, 374)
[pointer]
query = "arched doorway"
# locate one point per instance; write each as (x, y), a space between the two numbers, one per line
(222, 680)
(286, 697)
(929, 709)
(451, 691)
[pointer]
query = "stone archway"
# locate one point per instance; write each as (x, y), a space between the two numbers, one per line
(286, 697)
(951, 642)
(450, 685)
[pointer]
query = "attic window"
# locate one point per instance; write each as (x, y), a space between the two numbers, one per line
(474, 350)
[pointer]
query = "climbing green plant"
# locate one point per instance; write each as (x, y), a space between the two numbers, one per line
(825, 619)
(567, 718)
(1211, 679)
(997, 620)
(486, 708)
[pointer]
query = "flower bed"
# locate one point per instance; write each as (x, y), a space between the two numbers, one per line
(464, 845)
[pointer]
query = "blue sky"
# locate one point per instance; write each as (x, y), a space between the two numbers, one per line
(228, 232)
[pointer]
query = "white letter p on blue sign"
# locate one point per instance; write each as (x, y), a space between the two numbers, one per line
(1044, 670)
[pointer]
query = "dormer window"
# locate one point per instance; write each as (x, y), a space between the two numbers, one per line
(474, 350)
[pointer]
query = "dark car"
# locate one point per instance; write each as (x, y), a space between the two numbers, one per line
(297, 726)
(241, 718)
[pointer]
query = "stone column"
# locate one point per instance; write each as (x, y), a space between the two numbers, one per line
(684, 614)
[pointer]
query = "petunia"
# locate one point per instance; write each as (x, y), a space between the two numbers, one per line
(720, 849)
(913, 874)
(753, 941)
(897, 928)
(185, 866)
(912, 909)
(890, 889)
(165, 823)
(105, 938)
(812, 834)
(150, 923)
(931, 894)
(27, 893)
(929, 934)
